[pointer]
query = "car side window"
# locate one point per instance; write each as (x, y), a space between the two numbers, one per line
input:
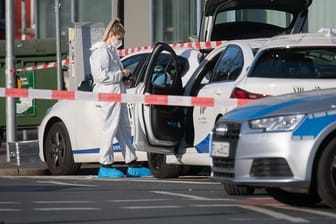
(164, 71)
(229, 65)
(133, 62)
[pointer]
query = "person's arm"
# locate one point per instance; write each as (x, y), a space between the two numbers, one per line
(100, 68)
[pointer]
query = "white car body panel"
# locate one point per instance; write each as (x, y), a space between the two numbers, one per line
(268, 86)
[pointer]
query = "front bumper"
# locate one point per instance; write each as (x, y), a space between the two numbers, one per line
(262, 159)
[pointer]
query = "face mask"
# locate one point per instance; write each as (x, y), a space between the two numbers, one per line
(116, 44)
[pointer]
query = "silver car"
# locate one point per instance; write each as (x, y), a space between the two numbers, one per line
(286, 144)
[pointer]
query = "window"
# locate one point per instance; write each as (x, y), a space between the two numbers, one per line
(164, 73)
(174, 20)
(276, 18)
(229, 65)
(85, 11)
(294, 63)
(132, 63)
(250, 23)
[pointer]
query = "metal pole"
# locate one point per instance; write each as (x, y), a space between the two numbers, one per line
(36, 16)
(10, 77)
(74, 11)
(199, 11)
(23, 19)
(60, 78)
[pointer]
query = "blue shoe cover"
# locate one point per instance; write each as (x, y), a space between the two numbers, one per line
(138, 172)
(109, 173)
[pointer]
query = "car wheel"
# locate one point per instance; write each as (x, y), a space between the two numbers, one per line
(296, 199)
(58, 151)
(326, 175)
(233, 189)
(159, 167)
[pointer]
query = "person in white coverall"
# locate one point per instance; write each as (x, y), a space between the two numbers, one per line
(109, 76)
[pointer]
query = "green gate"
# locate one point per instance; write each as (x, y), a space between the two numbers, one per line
(28, 53)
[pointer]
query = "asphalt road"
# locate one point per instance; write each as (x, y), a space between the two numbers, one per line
(86, 199)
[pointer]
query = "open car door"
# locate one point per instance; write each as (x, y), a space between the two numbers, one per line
(159, 128)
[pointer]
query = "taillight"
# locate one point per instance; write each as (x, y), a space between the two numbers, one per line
(243, 94)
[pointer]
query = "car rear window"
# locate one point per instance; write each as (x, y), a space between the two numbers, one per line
(250, 23)
(293, 63)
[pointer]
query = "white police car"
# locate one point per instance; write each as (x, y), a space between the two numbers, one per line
(168, 147)
(286, 144)
(177, 138)
(69, 133)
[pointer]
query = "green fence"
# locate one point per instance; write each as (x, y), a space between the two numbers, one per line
(29, 53)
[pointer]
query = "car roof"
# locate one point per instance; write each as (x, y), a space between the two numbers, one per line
(252, 43)
(178, 50)
(293, 6)
(255, 43)
(326, 37)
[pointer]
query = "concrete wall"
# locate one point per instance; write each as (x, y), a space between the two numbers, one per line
(137, 23)
(322, 14)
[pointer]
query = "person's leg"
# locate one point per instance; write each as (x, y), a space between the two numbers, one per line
(124, 135)
(111, 114)
(127, 148)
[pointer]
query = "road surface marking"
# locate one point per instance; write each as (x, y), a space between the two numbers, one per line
(307, 210)
(274, 214)
(268, 212)
(9, 203)
(194, 197)
(63, 202)
(152, 207)
(138, 200)
(154, 180)
(65, 184)
(66, 209)
(9, 210)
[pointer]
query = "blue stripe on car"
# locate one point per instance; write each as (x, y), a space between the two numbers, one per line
(203, 146)
(313, 125)
(116, 148)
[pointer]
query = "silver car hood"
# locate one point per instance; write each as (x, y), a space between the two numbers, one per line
(298, 103)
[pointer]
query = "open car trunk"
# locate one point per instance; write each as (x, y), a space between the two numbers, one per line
(243, 19)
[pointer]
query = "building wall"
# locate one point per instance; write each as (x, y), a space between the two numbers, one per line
(322, 14)
(148, 21)
(137, 22)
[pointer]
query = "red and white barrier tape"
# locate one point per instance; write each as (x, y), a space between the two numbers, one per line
(166, 100)
(43, 66)
(194, 45)
(127, 51)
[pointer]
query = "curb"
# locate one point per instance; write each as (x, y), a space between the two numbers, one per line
(18, 171)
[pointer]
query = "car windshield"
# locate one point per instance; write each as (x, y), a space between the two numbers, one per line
(293, 63)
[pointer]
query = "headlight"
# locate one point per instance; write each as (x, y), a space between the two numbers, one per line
(279, 123)
(221, 128)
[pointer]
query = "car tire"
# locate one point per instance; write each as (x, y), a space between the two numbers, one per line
(233, 189)
(326, 175)
(296, 199)
(159, 167)
(58, 151)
